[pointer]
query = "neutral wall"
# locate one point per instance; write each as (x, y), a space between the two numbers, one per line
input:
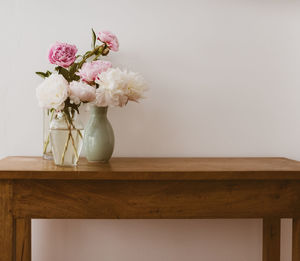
(224, 81)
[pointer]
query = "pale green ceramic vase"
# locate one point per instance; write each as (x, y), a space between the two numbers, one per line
(98, 136)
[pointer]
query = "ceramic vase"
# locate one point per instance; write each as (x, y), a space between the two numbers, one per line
(98, 136)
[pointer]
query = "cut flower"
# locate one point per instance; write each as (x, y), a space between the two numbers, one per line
(53, 92)
(90, 70)
(62, 54)
(117, 87)
(81, 92)
(110, 39)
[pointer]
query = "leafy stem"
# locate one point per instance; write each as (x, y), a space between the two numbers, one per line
(98, 50)
(69, 121)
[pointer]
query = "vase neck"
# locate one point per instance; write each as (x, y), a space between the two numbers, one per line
(99, 111)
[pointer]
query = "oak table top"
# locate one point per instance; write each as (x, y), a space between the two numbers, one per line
(154, 169)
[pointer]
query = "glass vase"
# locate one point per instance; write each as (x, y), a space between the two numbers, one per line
(66, 136)
(47, 150)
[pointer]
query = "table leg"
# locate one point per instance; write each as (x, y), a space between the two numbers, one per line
(6, 222)
(296, 240)
(23, 239)
(271, 239)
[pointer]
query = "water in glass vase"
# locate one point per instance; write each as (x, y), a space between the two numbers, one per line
(66, 139)
(66, 146)
(47, 148)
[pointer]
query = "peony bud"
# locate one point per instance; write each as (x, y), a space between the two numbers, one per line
(105, 51)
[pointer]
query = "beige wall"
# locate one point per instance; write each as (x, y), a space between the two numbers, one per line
(224, 79)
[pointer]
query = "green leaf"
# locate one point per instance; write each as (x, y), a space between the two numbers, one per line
(75, 107)
(94, 39)
(48, 73)
(73, 69)
(44, 75)
(64, 72)
(75, 77)
(41, 74)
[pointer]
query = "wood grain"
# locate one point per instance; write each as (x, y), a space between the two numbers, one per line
(296, 240)
(156, 199)
(30, 187)
(154, 169)
(6, 222)
(271, 239)
(23, 239)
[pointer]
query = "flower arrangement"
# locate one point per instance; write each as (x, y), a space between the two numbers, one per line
(86, 78)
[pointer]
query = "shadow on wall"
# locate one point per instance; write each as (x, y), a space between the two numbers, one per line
(141, 130)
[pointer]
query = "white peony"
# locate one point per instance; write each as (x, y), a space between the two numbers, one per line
(53, 92)
(135, 86)
(117, 87)
(82, 92)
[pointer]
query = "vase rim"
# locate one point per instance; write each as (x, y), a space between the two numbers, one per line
(99, 109)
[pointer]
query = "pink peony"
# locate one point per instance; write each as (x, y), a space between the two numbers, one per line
(110, 39)
(90, 70)
(62, 54)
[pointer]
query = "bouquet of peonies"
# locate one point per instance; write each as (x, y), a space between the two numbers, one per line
(79, 79)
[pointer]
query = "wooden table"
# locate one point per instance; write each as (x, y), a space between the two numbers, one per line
(30, 187)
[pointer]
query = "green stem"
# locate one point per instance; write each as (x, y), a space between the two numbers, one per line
(46, 143)
(65, 149)
(98, 48)
(74, 146)
(96, 57)
(70, 136)
(78, 131)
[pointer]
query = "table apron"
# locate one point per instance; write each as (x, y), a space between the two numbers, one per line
(155, 199)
